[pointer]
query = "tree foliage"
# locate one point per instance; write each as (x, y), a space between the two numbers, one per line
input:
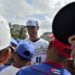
(18, 31)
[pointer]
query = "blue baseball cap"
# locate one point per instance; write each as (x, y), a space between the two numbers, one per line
(18, 40)
(25, 50)
(13, 41)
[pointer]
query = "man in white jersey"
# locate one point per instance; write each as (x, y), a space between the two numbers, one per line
(39, 43)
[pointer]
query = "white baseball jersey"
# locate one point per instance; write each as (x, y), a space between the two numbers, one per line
(41, 46)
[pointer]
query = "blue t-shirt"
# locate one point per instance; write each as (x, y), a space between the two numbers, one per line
(43, 69)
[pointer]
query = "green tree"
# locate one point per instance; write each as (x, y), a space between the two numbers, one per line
(18, 31)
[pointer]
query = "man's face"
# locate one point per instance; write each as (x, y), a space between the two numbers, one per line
(32, 31)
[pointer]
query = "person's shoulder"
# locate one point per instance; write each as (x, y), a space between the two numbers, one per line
(29, 70)
(25, 71)
(44, 41)
(34, 67)
(10, 69)
(26, 39)
(5, 69)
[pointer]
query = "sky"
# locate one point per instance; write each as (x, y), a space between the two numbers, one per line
(18, 11)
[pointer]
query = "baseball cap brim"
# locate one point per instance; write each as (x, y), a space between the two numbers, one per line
(13, 41)
(64, 23)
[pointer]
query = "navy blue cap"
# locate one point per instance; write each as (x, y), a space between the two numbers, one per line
(25, 50)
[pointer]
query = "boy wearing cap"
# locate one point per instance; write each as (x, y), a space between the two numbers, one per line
(39, 43)
(13, 45)
(21, 58)
(56, 55)
(5, 38)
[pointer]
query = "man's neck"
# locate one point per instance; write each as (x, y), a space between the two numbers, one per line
(54, 63)
(20, 65)
(34, 39)
(56, 59)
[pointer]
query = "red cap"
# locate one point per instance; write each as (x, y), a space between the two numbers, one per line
(63, 49)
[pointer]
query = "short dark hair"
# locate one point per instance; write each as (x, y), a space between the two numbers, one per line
(21, 58)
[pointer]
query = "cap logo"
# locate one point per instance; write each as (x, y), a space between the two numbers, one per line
(27, 53)
(71, 39)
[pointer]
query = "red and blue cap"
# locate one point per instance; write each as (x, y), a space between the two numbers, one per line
(63, 26)
(62, 48)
